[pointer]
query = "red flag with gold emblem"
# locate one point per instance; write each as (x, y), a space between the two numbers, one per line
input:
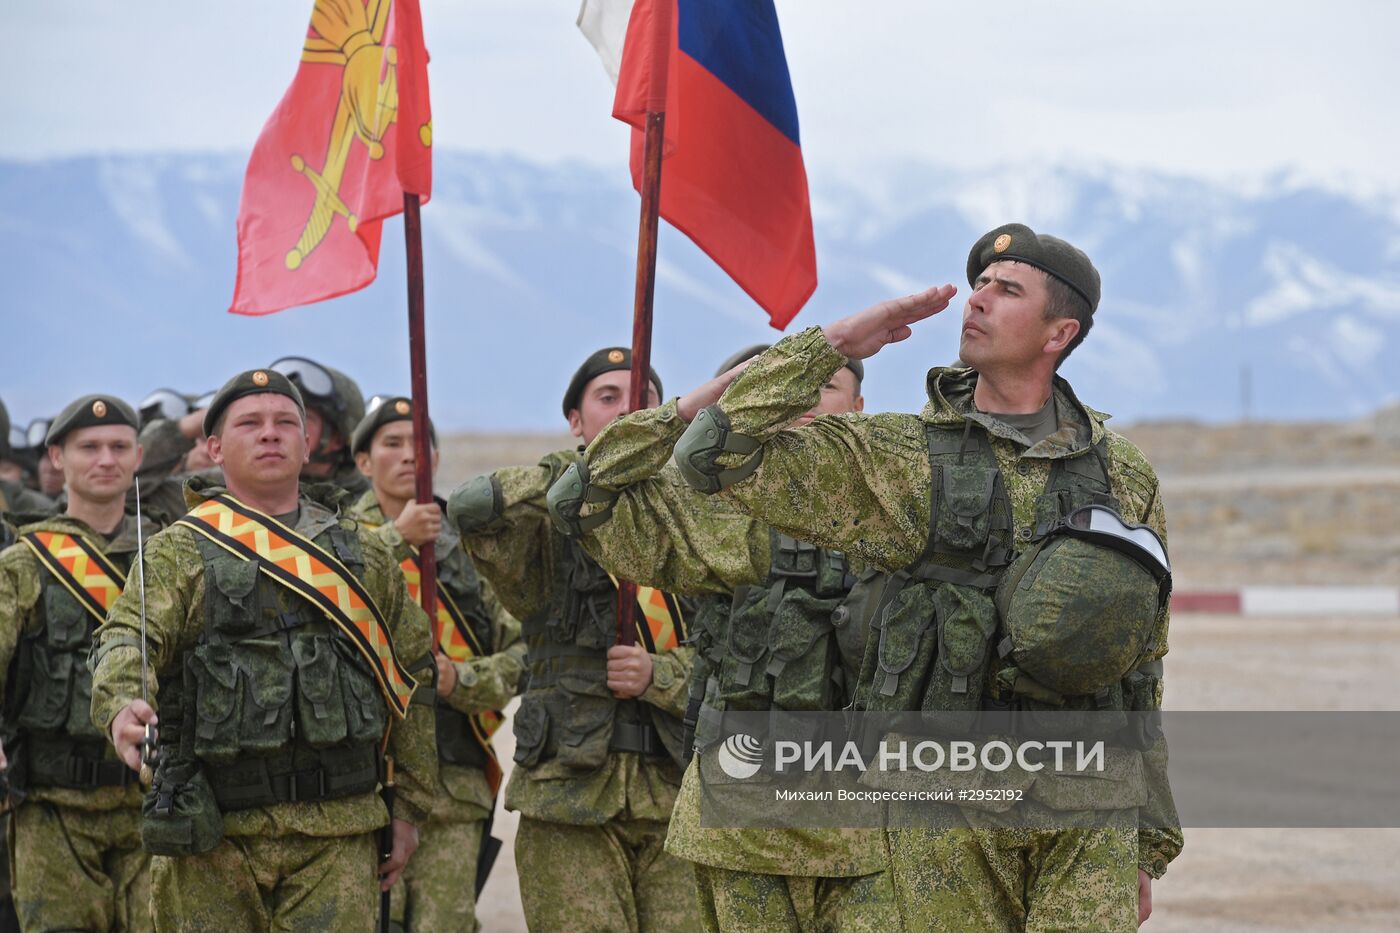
(351, 136)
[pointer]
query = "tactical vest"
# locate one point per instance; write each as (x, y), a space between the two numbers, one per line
(456, 740)
(783, 645)
(934, 626)
(567, 713)
(48, 701)
(283, 707)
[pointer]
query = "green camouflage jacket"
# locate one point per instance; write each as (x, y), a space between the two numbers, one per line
(665, 534)
(22, 582)
(859, 482)
(174, 623)
(517, 553)
(483, 683)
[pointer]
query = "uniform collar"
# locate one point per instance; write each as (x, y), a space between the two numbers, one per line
(950, 403)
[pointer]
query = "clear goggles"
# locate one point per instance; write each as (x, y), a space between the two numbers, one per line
(375, 401)
(165, 404)
(204, 401)
(38, 432)
(1101, 525)
(310, 377)
(19, 438)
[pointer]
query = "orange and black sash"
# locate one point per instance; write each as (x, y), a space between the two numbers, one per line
(453, 636)
(660, 622)
(84, 571)
(306, 569)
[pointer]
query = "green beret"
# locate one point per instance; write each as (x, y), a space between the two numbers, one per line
(4, 430)
(91, 411)
(748, 353)
(606, 360)
(391, 408)
(252, 382)
(1047, 253)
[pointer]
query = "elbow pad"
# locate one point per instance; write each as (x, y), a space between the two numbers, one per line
(704, 442)
(567, 497)
(476, 506)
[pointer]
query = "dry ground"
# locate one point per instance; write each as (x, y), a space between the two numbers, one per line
(1247, 504)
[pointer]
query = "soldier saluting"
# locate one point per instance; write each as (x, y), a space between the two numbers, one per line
(76, 822)
(976, 510)
(275, 631)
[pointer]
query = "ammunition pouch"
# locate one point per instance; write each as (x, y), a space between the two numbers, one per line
(707, 439)
(180, 814)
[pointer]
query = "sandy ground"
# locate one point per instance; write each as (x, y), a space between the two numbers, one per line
(1230, 879)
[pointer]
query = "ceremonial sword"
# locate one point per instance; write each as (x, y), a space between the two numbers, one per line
(148, 744)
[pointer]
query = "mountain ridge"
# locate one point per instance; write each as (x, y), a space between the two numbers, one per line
(1279, 299)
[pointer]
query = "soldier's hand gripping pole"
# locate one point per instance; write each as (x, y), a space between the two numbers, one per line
(148, 743)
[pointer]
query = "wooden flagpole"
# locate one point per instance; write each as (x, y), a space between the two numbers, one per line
(641, 324)
(653, 142)
(418, 370)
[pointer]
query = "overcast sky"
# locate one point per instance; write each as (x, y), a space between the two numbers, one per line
(1224, 88)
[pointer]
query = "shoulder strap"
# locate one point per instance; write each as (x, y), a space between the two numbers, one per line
(84, 571)
(306, 569)
(451, 630)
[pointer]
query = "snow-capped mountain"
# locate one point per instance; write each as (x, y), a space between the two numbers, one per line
(1284, 297)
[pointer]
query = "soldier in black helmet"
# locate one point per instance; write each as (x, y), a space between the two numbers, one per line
(334, 406)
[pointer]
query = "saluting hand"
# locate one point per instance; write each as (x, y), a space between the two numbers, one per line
(629, 671)
(419, 522)
(867, 333)
(129, 729)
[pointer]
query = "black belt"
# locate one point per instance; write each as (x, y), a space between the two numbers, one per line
(252, 783)
(54, 765)
(636, 737)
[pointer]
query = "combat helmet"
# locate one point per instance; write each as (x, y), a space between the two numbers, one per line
(332, 393)
(1078, 607)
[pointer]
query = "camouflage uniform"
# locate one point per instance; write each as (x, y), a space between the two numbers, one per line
(590, 846)
(437, 892)
(861, 483)
(78, 857)
(163, 450)
(307, 865)
(663, 533)
(21, 503)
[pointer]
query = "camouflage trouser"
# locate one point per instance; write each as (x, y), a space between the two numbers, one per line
(80, 869)
(612, 878)
(1010, 879)
(740, 901)
(439, 883)
(286, 883)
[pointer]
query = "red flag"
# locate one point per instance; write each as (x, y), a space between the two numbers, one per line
(734, 179)
(351, 136)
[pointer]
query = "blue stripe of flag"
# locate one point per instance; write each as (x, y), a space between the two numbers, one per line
(738, 41)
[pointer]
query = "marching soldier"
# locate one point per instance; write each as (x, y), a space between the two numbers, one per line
(480, 657)
(968, 509)
(646, 524)
(598, 735)
(334, 406)
(284, 657)
(78, 864)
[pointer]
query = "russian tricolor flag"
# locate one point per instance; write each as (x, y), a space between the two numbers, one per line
(733, 179)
